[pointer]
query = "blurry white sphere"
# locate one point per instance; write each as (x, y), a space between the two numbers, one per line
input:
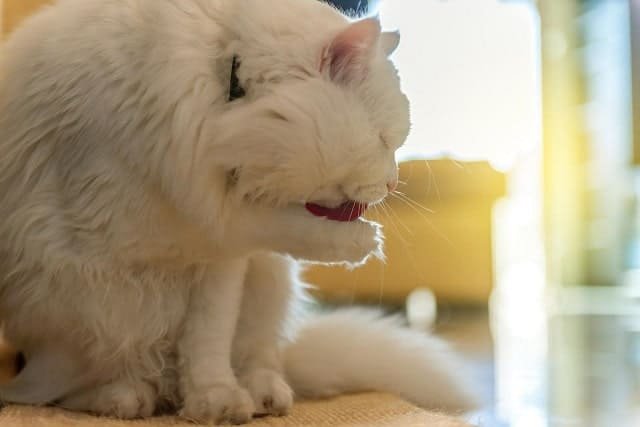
(422, 309)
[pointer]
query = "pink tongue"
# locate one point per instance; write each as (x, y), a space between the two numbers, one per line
(348, 211)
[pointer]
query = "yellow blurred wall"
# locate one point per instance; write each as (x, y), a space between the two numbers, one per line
(14, 11)
(441, 240)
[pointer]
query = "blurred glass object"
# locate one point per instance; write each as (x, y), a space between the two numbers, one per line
(589, 211)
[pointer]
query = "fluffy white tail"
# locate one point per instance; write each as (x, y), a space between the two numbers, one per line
(356, 350)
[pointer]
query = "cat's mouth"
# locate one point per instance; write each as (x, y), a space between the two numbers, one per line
(348, 211)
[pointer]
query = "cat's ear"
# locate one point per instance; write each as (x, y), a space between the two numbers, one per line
(349, 54)
(389, 41)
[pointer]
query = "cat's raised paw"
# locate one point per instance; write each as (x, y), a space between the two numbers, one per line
(271, 394)
(365, 239)
(219, 403)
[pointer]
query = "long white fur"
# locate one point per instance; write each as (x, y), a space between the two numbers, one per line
(356, 350)
(148, 224)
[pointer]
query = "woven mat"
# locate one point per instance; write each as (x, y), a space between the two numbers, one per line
(361, 410)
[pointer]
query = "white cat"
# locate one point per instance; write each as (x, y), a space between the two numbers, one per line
(162, 164)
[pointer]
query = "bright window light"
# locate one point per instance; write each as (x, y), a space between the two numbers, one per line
(470, 68)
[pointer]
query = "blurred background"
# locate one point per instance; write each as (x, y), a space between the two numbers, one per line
(516, 232)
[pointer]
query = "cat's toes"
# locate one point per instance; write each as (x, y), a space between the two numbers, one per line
(270, 393)
(127, 403)
(220, 403)
(366, 239)
(120, 399)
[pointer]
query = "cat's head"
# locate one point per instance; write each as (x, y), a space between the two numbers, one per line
(322, 125)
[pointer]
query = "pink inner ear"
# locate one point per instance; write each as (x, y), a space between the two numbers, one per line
(349, 54)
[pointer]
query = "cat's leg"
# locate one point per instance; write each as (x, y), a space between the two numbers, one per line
(208, 384)
(265, 304)
(124, 398)
(295, 231)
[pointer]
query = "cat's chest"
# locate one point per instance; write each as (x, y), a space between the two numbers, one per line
(148, 305)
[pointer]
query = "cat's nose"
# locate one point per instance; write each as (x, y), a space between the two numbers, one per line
(392, 185)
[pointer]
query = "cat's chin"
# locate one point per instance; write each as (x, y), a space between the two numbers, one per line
(346, 212)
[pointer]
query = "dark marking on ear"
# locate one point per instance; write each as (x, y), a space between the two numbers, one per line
(235, 89)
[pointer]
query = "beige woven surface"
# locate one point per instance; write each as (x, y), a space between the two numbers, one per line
(373, 409)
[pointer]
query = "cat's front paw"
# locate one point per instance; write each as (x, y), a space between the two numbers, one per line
(121, 399)
(218, 403)
(361, 240)
(271, 394)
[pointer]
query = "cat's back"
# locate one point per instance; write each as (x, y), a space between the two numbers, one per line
(86, 87)
(83, 77)
(95, 54)
(75, 49)
(52, 67)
